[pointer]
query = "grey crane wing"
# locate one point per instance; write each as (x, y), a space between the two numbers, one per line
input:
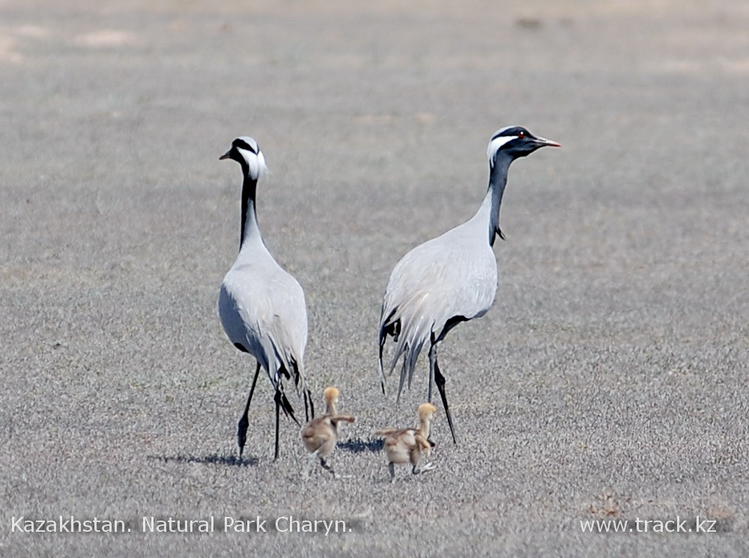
(442, 278)
(263, 308)
(447, 279)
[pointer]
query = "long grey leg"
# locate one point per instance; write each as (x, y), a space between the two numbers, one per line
(391, 468)
(278, 411)
(244, 420)
(309, 406)
(432, 363)
(440, 381)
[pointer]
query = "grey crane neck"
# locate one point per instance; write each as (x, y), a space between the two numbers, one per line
(497, 183)
(249, 216)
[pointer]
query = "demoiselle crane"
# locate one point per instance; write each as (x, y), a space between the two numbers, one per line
(261, 306)
(451, 278)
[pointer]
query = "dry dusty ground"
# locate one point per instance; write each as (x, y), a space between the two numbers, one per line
(608, 381)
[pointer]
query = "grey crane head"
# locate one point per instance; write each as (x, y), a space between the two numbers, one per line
(246, 151)
(515, 141)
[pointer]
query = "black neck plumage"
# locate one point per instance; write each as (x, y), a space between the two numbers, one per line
(249, 189)
(497, 183)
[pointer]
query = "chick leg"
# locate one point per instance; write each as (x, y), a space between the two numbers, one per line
(424, 468)
(391, 468)
(311, 458)
(416, 459)
(328, 467)
(327, 449)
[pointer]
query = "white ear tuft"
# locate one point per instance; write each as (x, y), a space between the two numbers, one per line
(262, 168)
(494, 145)
(256, 163)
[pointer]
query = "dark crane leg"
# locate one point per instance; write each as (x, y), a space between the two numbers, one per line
(432, 361)
(278, 412)
(244, 420)
(439, 379)
(309, 406)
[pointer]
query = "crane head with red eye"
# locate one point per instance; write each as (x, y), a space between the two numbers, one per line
(514, 142)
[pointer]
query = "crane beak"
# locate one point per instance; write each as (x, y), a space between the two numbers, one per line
(543, 142)
(226, 155)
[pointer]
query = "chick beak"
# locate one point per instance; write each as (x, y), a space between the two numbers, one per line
(226, 155)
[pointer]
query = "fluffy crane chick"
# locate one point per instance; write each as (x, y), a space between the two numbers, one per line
(410, 445)
(321, 434)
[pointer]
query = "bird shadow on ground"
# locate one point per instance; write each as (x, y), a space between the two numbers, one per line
(212, 459)
(358, 445)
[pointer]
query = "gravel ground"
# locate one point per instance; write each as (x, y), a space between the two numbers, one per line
(609, 381)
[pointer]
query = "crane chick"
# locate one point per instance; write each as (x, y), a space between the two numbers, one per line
(321, 434)
(409, 445)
